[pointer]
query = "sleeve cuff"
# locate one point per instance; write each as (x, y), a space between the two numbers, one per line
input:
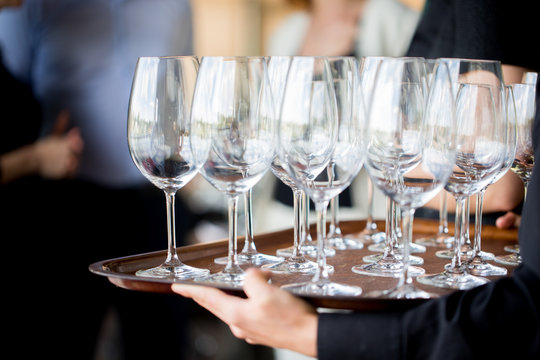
(359, 336)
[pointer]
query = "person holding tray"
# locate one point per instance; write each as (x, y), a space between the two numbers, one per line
(499, 319)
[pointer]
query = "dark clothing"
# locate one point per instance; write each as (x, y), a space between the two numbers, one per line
(21, 113)
(502, 318)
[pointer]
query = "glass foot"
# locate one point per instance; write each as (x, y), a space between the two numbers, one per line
(386, 269)
(513, 259)
(345, 243)
(291, 266)
(413, 248)
(406, 291)
(256, 259)
(167, 271)
(512, 248)
(439, 240)
(465, 255)
(478, 267)
(233, 279)
(446, 279)
(324, 287)
(413, 260)
(309, 250)
(368, 236)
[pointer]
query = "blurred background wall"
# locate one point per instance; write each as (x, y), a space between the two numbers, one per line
(236, 27)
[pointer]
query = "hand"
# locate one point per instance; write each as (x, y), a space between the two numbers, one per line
(269, 316)
(58, 154)
(508, 220)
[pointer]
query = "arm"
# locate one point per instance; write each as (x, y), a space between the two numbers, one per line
(54, 156)
(500, 318)
(497, 320)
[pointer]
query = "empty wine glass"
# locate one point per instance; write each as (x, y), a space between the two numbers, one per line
(525, 98)
(480, 152)
(442, 238)
(371, 233)
(477, 263)
(484, 72)
(390, 262)
(233, 117)
(528, 78)
(344, 72)
(157, 132)
(410, 153)
(277, 74)
(311, 136)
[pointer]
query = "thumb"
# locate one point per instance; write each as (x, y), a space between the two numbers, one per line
(256, 283)
(61, 123)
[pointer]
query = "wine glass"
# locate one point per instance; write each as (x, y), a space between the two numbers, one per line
(528, 78)
(277, 74)
(295, 262)
(371, 233)
(483, 72)
(233, 116)
(390, 262)
(477, 263)
(344, 72)
(525, 97)
(157, 132)
(312, 136)
(480, 152)
(410, 153)
(442, 237)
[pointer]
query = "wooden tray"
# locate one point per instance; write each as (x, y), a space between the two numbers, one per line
(121, 271)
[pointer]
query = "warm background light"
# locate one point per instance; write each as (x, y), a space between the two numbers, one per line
(236, 27)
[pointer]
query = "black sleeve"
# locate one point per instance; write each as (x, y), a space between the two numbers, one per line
(480, 29)
(498, 320)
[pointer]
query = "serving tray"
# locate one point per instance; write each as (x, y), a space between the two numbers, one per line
(121, 271)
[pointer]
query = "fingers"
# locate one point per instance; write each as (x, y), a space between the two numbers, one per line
(214, 300)
(61, 124)
(508, 220)
(256, 283)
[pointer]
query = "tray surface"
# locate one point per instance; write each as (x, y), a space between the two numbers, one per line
(121, 271)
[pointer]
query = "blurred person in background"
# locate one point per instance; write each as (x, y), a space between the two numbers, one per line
(29, 165)
(79, 56)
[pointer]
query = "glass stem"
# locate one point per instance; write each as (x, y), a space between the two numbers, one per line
(322, 273)
(297, 200)
(397, 223)
(306, 237)
(478, 223)
(172, 256)
(232, 258)
(334, 230)
(389, 241)
(249, 244)
(459, 234)
(466, 240)
(407, 218)
(334, 223)
(443, 214)
(370, 225)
